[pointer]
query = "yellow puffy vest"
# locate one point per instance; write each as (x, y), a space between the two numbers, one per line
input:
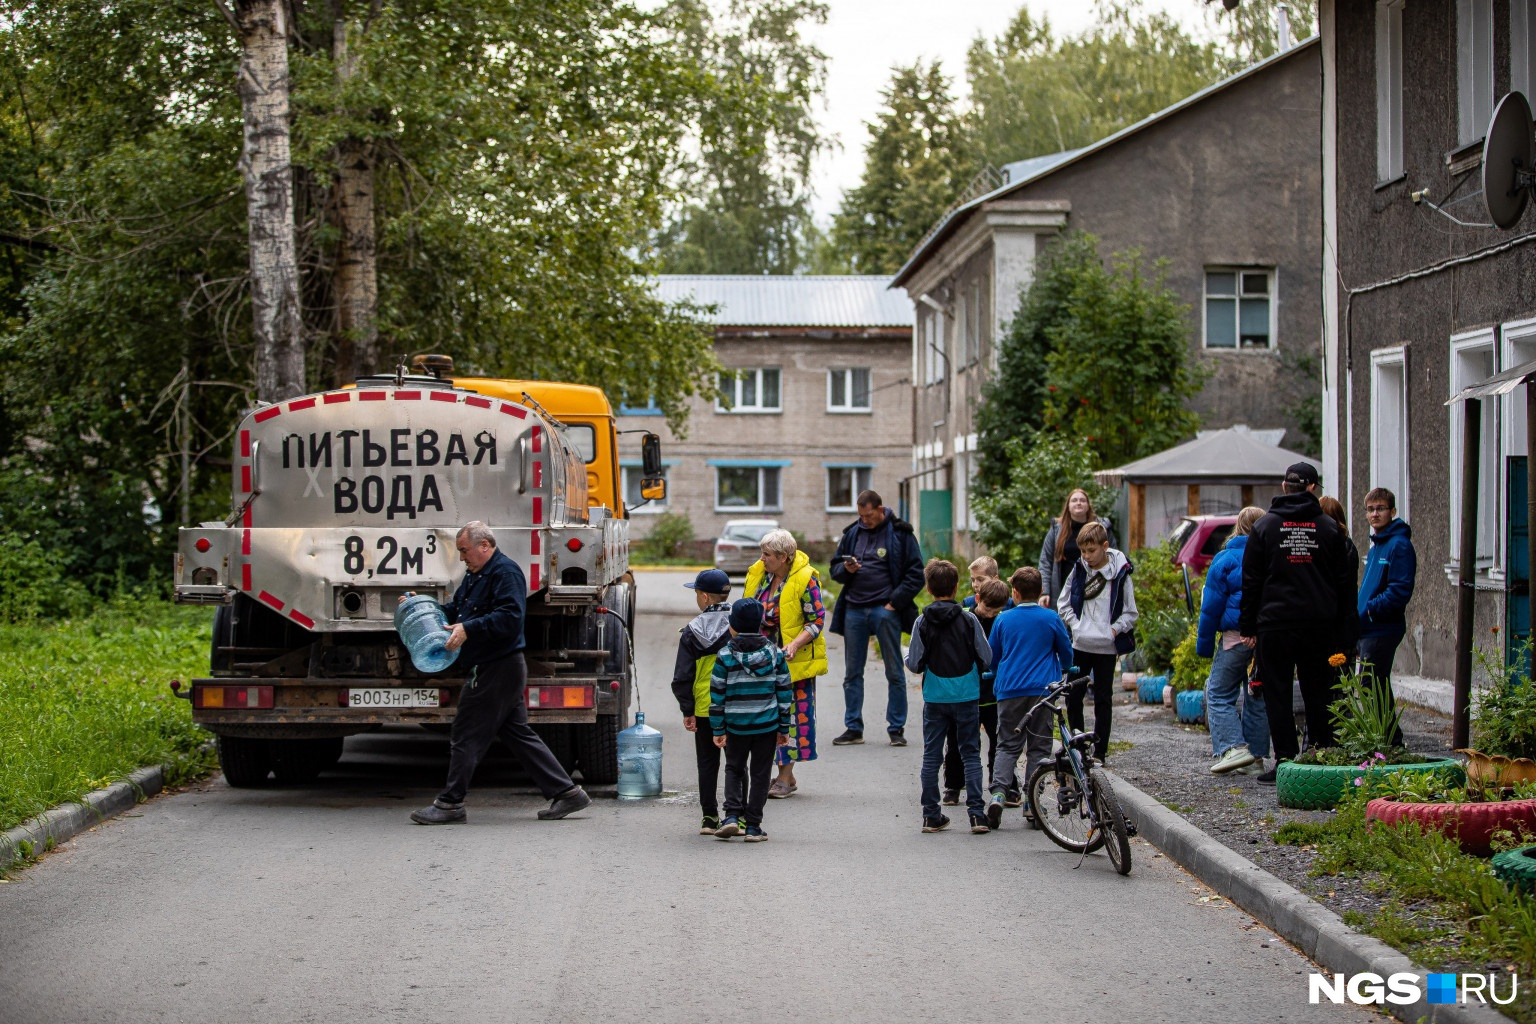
(812, 658)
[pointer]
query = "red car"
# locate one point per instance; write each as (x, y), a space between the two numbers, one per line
(1197, 539)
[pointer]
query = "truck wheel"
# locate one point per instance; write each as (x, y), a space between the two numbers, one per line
(219, 659)
(297, 762)
(245, 762)
(558, 739)
(597, 750)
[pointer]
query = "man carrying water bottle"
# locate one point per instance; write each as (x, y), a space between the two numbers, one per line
(487, 622)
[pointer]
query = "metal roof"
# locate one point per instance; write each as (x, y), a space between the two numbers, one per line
(1234, 455)
(1046, 165)
(1498, 384)
(783, 300)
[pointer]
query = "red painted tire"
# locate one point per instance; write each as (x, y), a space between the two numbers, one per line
(1470, 824)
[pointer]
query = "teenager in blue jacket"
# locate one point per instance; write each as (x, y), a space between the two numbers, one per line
(1385, 591)
(1239, 742)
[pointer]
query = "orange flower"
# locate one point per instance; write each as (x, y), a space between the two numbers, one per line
(1336, 660)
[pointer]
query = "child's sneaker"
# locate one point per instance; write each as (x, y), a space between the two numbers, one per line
(979, 826)
(1014, 797)
(729, 828)
(938, 824)
(951, 797)
(755, 834)
(995, 809)
(708, 826)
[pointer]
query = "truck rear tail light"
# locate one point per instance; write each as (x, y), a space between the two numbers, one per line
(202, 545)
(560, 697)
(573, 545)
(231, 696)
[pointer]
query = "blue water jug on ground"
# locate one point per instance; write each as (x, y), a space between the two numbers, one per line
(639, 761)
(423, 626)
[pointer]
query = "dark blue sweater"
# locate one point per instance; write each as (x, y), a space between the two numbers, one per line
(491, 604)
(1388, 585)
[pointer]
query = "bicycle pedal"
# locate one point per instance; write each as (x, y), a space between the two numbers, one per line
(1130, 827)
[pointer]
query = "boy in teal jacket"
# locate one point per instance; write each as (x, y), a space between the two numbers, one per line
(750, 695)
(700, 641)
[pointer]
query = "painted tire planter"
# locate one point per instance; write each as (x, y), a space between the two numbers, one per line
(1318, 787)
(1496, 769)
(1190, 705)
(1517, 868)
(1150, 689)
(1470, 824)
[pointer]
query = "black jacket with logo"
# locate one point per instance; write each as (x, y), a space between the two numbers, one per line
(1297, 573)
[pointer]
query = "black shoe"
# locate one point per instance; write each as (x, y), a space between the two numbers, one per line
(849, 737)
(951, 798)
(979, 826)
(897, 739)
(440, 814)
(1267, 778)
(569, 802)
(995, 810)
(708, 825)
(1013, 798)
(938, 824)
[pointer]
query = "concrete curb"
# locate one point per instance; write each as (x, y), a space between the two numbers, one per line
(66, 821)
(1309, 926)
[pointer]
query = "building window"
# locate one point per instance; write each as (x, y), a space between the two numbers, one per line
(934, 358)
(753, 390)
(973, 322)
(1238, 308)
(1389, 89)
(1474, 68)
(747, 489)
(632, 499)
(844, 484)
(1472, 360)
(848, 390)
(1389, 424)
(1522, 47)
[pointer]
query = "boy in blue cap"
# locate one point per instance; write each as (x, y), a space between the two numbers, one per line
(700, 641)
(750, 695)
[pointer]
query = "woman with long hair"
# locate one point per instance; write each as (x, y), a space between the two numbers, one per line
(1059, 551)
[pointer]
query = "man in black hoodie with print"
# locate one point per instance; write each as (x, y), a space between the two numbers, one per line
(1297, 609)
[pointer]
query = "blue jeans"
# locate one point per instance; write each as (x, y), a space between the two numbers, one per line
(965, 717)
(1228, 682)
(885, 626)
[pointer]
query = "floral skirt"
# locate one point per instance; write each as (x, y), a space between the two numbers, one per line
(802, 728)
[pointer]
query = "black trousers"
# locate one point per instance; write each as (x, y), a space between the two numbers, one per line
(954, 769)
(1302, 654)
(748, 763)
(491, 707)
(1102, 669)
(1376, 654)
(708, 756)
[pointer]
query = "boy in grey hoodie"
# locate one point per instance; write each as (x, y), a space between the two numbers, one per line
(1098, 606)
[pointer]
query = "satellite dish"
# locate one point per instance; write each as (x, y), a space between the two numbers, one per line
(1507, 161)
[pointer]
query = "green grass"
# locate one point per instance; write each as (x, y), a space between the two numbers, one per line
(84, 702)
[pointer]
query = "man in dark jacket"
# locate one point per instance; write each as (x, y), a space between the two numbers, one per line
(880, 566)
(487, 615)
(1297, 608)
(1390, 568)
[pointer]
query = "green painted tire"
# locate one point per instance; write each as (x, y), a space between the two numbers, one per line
(1318, 787)
(1517, 868)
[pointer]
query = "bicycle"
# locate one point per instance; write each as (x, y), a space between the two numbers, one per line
(1074, 805)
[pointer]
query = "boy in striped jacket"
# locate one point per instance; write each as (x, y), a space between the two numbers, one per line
(750, 695)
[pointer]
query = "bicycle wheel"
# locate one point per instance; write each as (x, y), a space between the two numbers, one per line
(1112, 828)
(1061, 811)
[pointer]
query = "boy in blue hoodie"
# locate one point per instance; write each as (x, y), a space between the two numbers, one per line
(950, 649)
(1382, 601)
(1030, 651)
(750, 695)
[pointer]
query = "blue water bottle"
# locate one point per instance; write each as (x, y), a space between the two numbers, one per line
(639, 761)
(423, 626)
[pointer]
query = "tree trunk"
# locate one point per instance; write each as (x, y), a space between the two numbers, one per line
(265, 163)
(355, 282)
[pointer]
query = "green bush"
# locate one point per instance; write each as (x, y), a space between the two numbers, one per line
(1157, 635)
(1045, 468)
(33, 583)
(1504, 721)
(670, 534)
(1189, 670)
(1160, 583)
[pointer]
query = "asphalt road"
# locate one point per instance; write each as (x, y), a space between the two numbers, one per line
(327, 904)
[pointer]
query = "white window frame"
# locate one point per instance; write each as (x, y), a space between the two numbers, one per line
(1517, 346)
(653, 507)
(1389, 90)
(1390, 437)
(935, 359)
(1522, 47)
(847, 372)
(867, 470)
(1237, 296)
(1474, 69)
(971, 348)
(735, 406)
(1489, 540)
(760, 506)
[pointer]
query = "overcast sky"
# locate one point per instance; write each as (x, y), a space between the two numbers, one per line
(863, 39)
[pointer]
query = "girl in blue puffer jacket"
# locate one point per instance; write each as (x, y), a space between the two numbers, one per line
(1239, 743)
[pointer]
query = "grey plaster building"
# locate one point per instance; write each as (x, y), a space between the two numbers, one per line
(821, 407)
(1424, 306)
(1226, 185)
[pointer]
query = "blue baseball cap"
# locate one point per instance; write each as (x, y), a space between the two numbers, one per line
(711, 581)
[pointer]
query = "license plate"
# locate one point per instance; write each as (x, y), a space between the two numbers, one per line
(392, 697)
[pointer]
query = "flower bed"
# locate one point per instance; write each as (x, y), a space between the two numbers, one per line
(1319, 786)
(1471, 824)
(1190, 706)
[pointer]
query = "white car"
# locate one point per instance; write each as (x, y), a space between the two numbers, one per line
(736, 547)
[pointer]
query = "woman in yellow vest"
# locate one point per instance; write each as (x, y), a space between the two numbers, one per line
(789, 589)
